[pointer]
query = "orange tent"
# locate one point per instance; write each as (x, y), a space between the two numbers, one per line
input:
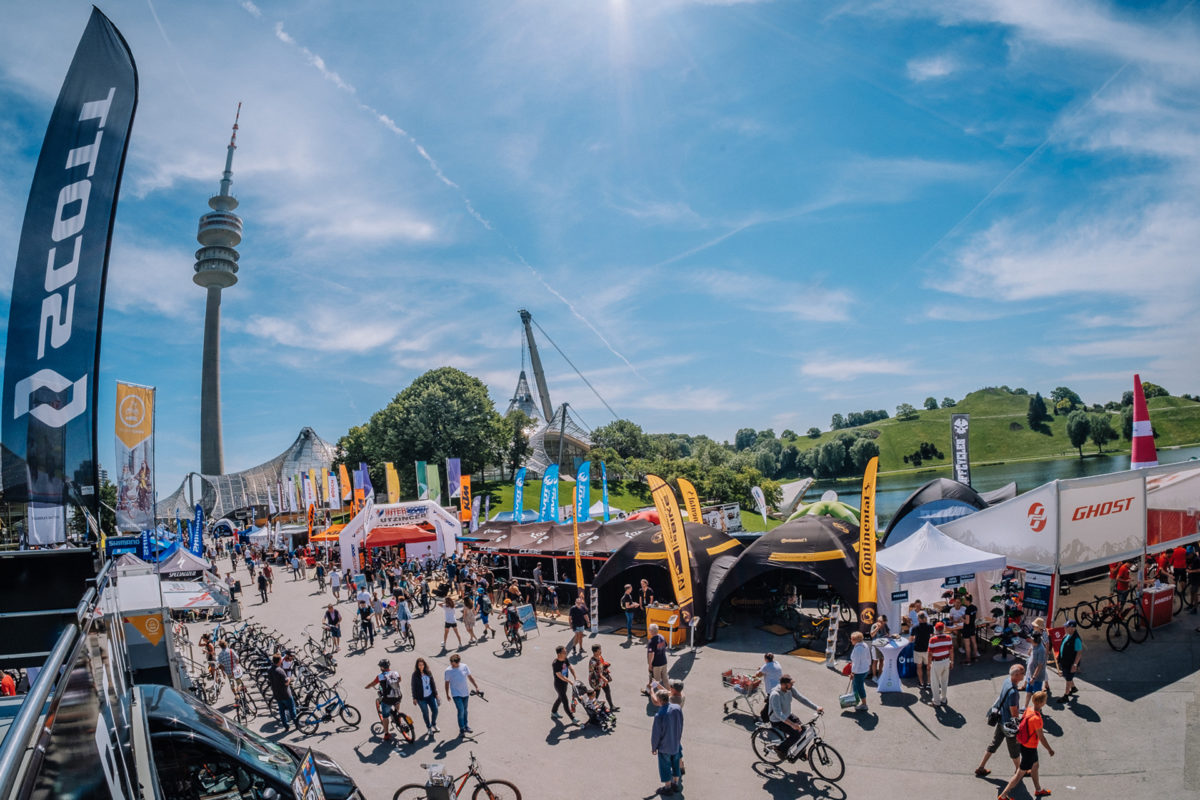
(330, 534)
(406, 534)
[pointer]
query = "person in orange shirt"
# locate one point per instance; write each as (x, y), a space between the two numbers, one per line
(8, 687)
(1124, 577)
(1030, 732)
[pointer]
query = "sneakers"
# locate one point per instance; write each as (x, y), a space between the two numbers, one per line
(434, 729)
(555, 715)
(467, 730)
(387, 737)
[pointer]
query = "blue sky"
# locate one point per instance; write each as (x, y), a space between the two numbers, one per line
(728, 214)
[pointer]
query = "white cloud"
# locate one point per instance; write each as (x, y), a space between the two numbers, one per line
(147, 277)
(832, 368)
(803, 299)
(931, 67)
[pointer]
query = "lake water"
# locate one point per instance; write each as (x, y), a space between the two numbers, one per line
(895, 489)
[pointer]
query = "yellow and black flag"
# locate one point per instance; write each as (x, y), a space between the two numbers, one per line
(866, 548)
(691, 501)
(675, 542)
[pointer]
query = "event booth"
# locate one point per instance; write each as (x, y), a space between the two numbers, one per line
(416, 513)
(182, 565)
(923, 565)
(938, 501)
(822, 547)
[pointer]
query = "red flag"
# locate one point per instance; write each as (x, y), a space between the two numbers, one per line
(1144, 454)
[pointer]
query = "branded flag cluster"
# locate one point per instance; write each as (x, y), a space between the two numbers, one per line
(454, 476)
(548, 510)
(675, 541)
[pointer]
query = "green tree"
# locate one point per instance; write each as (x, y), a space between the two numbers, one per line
(788, 460)
(948, 402)
(766, 462)
(1153, 390)
(788, 434)
(1102, 431)
(930, 404)
(814, 433)
(1037, 415)
(744, 439)
(1127, 422)
(905, 411)
(862, 451)
(1064, 400)
(837, 422)
(831, 459)
(623, 436)
(1079, 428)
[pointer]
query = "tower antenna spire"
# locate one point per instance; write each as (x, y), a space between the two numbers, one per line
(236, 117)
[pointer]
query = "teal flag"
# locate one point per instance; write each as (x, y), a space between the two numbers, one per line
(548, 511)
(422, 482)
(604, 489)
(519, 496)
(583, 490)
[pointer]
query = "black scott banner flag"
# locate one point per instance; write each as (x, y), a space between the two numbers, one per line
(960, 425)
(50, 367)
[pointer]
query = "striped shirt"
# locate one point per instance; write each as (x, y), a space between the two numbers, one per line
(940, 646)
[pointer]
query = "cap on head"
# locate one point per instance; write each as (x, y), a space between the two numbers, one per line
(940, 626)
(1070, 623)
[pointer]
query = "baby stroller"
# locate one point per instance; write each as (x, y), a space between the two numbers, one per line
(598, 712)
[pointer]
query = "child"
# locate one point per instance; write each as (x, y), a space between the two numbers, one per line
(552, 602)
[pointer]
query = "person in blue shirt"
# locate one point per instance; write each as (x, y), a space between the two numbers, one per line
(666, 739)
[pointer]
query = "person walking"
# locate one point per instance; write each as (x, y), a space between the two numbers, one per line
(860, 668)
(1035, 668)
(335, 585)
(580, 620)
(365, 614)
(459, 681)
(1069, 651)
(1008, 705)
(451, 622)
(1030, 732)
(941, 660)
(779, 713)
(666, 739)
(921, 634)
(770, 672)
(425, 695)
(600, 676)
(484, 603)
(320, 572)
(262, 586)
(269, 571)
(564, 679)
(333, 623)
(377, 610)
(628, 605)
(281, 690)
(656, 660)
(468, 616)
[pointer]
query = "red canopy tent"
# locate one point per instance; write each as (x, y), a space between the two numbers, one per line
(405, 534)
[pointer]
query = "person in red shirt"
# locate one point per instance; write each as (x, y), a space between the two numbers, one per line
(1179, 564)
(1112, 576)
(941, 659)
(1123, 581)
(1030, 731)
(8, 687)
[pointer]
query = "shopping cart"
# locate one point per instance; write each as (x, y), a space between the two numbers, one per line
(745, 687)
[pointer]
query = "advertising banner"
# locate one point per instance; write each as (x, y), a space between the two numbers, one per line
(867, 576)
(291, 495)
(334, 491)
(368, 488)
(519, 495)
(960, 425)
(197, 526)
(548, 510)
(1101, 520)
(464, 498)
(135, 457)
(1024, 529)
(392, 479)
(344, 483)
(691, 501)
(51, 363)
(433, 477)
(760, 501)
(675, 542)
(604, 489)
(351, 537)
(454, 476)
(474, 511)
(583, 483)
(314, 483)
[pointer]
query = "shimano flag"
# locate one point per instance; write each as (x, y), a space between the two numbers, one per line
(548, 512)
(52, 358)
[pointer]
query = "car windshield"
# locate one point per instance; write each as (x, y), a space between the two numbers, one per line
(246, 744)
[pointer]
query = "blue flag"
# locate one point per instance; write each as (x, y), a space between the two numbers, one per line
(548, 512)
(146, 555)
(519, 496)
(583, 490)
(604, 489)
(368, 489)
(196, 529)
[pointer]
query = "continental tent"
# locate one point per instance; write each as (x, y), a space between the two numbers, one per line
(939, 501)
(921, 564)
(706, 548)
(821, 546)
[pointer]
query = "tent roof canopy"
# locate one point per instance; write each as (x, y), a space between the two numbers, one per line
(930, 554)
(404, 534)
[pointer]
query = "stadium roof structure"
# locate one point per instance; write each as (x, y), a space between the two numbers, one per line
(544, 442)
(221, 495)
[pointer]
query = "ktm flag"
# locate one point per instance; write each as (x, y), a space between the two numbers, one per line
(866, 548)
(675, 542)
(691, 500)
(464, 498)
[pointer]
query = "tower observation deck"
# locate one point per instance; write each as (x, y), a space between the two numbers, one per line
(219, 234)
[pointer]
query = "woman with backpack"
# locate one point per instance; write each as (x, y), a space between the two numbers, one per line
(1030, 732)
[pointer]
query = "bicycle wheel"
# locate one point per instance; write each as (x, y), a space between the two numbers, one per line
(1085, 615)
(1117, 634)
(240, 708)
(496, 790)
(350, 715)
(765, 740)
(824, 606)
(307, 722)
(410, 791)
(1177, 603)
(826, 762)
(1139, 627)
(846, 614)
(404, 726)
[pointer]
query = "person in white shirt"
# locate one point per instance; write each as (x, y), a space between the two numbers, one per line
(860, 668)
(770, 672)
(459, 681)
(451, 622)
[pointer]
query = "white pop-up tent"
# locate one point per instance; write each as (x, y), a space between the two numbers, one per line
(921, 565)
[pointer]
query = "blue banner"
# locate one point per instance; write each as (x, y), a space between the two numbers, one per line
(368, 489)
(51, 363)
(519, 496)
(196, 528)
(454, 475)
(146, 552)
(179, 526)
(604, 489)
(198, 519)
(548, 511)
(583, 490)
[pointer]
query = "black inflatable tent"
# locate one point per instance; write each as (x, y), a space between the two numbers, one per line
(931, 492)
(822, 546)
(709, 550)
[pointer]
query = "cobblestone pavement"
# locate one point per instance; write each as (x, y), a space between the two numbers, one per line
(1132, 733)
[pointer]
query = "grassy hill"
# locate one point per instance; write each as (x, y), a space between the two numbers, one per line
(999, 431)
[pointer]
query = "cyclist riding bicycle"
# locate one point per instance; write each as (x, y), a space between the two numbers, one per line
(512, 620)
(403, 615)
(388, 684)
(782, 718)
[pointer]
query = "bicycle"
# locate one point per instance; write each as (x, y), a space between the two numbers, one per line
(402, 722)
(311, 716)
(513, 640)
(244, 704)
(827, 601)
(485, 789)
(406, 639)
(825, 761)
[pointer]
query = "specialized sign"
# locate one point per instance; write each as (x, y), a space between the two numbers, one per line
(960, 425)
(691, 501)
(134, 428)
(675, 541)
(866, 547)
(51, 364)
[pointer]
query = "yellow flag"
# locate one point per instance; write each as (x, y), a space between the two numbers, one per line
(675, 542)
(148, 625)
(691, 501)
(135, 413)
(316, 486)
(866, 548)
(347, 486)
(325, 486)
(393, 482)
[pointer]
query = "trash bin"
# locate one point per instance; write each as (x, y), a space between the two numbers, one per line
(905, 664)
(235, 611)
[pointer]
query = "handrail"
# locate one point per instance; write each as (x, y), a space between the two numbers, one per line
(25, 723)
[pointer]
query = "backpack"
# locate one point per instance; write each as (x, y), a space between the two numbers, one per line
(485, 604)
(389, 688)
(1024, 737)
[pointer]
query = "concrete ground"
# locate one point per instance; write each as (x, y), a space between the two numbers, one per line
(1133, 732)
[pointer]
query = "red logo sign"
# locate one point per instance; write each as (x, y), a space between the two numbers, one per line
(1102, 509)
(1037, 517)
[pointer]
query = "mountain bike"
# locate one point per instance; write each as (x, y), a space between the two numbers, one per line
(513, 640)
(406, 639)
(827, 601)
(824, 760)
(450, 786)
(402, 723)
(244, 704)
(312, 714)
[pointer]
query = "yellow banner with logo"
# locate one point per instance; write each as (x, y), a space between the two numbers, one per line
(148, 625)
(134, 428)
(866, 547)
(393, 482)
(691, 501)
(675, 540)
(344, 478)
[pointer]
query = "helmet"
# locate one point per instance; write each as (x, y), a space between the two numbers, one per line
(508, 601)
(385, 664)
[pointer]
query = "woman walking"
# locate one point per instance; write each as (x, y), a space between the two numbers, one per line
(425, 695)
(335, 584)
(468, 616)
(600, 677)
(451, 622)
(1029, 733)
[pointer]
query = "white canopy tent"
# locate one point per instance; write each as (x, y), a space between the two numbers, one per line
(921, 564)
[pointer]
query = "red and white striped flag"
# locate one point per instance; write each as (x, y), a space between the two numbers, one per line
(1144, 454)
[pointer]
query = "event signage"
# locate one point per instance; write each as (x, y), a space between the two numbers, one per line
(147, 551)
(422, 483)
(1036, 595)
(900, 597)
(958, 580)
(528, 618)
(134, 434)
(196, 526)
(1101, 519)
(464, 498)
(391, 480)
(119, 545)
(866, 547)
(675, 543)
(583, 483)
(604, 489)
(51, 393)
(434, 479)
(519, 496)
(691, 500)
(306, 784)
(344, 480)
(454, 476)
(960, 425)
(548, 511)
(760, 501)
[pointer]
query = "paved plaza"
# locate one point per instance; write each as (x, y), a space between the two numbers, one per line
(1134, 731)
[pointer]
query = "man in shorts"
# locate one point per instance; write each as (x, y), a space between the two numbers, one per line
(656, 659)
(1009, 704)
(921, 633)
(579, 624)
(1068, 659)
(1035, 668)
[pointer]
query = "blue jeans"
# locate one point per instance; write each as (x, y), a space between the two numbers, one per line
(287, 708)
(460, 705)
(429, 711)
(668, 767)
(629, 623)
(860, 686)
